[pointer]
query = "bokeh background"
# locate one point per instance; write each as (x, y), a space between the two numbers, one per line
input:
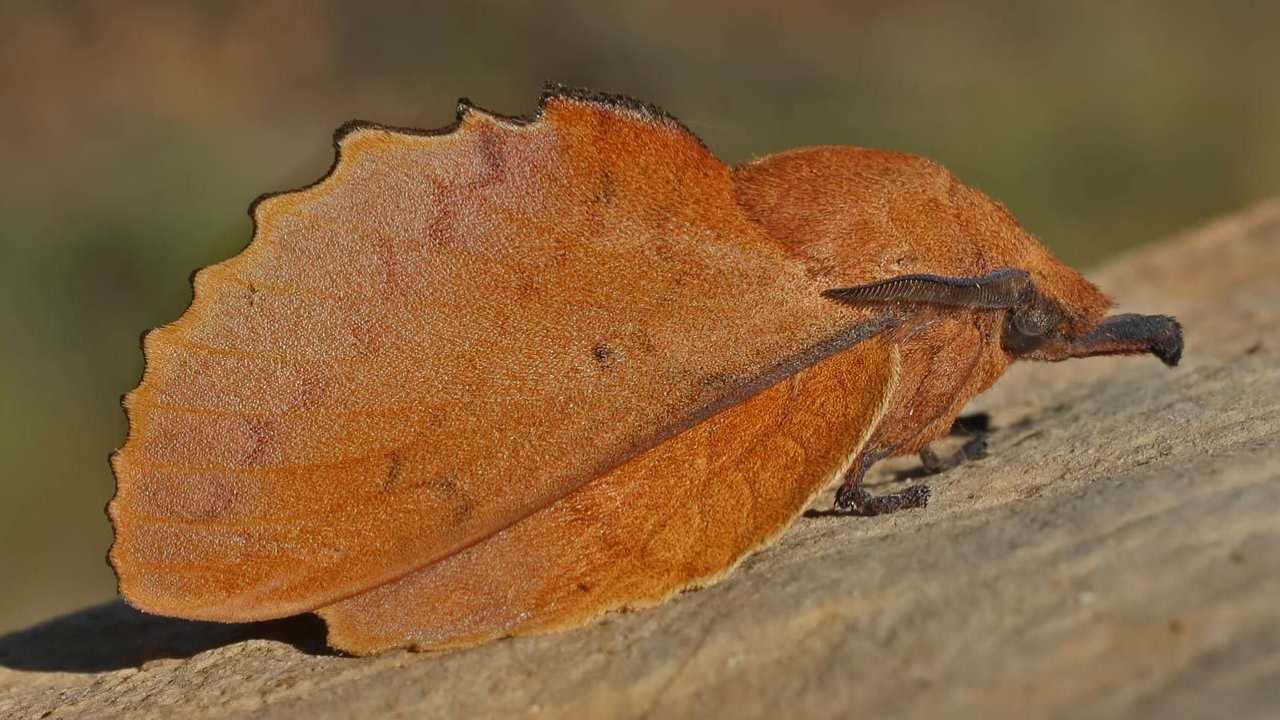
(134, 134)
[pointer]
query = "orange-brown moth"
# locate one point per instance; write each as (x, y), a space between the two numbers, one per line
(503, 377)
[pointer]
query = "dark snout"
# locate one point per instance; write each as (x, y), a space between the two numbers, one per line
(1159, 335)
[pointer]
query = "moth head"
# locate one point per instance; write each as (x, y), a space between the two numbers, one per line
(1039, 323)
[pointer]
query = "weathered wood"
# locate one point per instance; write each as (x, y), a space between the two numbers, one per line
(1117, 554)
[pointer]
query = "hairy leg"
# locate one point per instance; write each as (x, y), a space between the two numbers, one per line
(934, 463)
(978, 423)
(853, 499)
(975, 427)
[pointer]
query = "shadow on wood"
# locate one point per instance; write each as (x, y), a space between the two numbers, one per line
(113, 636)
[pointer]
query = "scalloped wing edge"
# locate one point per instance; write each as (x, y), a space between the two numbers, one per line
(551, 93)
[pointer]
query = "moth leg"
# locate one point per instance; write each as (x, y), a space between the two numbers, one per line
(973, 424)
(855, 500)
(974, 448)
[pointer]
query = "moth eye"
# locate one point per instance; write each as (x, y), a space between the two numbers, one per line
(1017, 341)
(1030, 325)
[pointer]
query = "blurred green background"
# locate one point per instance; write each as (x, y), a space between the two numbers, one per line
(135, 135)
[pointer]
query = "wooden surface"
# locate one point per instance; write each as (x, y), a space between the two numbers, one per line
(1117, 555)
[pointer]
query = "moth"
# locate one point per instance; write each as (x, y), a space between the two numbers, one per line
(503, 377)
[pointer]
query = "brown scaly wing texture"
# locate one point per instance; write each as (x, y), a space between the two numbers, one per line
(678, 515)
(448, 333)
